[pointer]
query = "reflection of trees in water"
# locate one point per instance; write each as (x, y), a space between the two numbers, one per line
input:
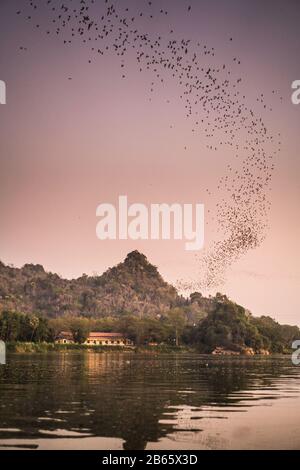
(122, 395)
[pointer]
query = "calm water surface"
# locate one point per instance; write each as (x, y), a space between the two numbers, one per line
(133, 401)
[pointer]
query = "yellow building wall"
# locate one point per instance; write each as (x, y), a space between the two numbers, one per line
(106, 342)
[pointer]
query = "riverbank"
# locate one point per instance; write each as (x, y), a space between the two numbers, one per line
(20, 347)
(23, 348)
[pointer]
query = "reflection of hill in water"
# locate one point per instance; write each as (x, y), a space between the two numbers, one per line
(128, 396)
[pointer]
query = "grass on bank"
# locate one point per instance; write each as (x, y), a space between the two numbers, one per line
(20, 347)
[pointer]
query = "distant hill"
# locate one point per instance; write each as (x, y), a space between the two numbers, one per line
(133, 286)
(133, 298)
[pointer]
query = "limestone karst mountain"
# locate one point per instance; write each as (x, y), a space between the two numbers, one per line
(134, 285)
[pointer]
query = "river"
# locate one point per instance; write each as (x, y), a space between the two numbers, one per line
(82, 400)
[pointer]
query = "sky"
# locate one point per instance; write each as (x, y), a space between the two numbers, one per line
(79, 129)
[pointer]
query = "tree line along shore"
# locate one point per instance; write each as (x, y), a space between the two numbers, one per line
(227, 329)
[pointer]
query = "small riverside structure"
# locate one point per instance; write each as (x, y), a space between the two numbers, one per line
(96, 339)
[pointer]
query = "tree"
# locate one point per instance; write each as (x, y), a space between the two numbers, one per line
(33, 323)
(56, 326)
(80, 329)
(10, 325)
(177, 321)
(228, 326)
(132, 327)
(42, 332)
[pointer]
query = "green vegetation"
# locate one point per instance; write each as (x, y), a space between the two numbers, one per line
(133, 299)
(277, 338)
(167, 329)
(228, 326)
(134, 285)
(20, 347)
